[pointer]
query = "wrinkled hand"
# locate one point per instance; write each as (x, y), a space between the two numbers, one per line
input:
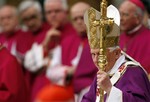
(34, 58)
(103, 81)
(52, 33)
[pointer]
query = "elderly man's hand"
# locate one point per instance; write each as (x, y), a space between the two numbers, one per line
(103, 81)
(52, 34)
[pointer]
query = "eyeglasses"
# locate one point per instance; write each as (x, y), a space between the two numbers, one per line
(6, 17)
(77, 18)
(53, 11)
(28, 18)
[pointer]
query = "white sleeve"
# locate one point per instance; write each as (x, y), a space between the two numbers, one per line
(115, 95)
(56, 57)
(57, 74)
(76, 60)
(34, 59)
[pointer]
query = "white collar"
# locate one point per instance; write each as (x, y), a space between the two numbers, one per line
(135, 29)
(118, 63)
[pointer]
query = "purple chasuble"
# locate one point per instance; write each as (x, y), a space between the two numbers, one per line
(134, 84)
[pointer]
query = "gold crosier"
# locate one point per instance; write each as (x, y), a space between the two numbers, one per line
(104, 25)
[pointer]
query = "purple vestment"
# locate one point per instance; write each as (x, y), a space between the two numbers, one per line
(134, 84)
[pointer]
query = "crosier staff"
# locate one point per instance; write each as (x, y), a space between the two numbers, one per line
(104, 24)
(98, 27)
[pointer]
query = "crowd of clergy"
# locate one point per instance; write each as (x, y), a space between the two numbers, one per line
(45, 55)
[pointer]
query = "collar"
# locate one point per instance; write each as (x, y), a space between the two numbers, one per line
(10, 34)
(135, 29)
(118, 63)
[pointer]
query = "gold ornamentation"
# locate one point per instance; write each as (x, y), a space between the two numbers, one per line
(102, 33)
(94, 41)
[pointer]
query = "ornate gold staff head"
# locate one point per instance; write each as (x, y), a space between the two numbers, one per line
(112, 37)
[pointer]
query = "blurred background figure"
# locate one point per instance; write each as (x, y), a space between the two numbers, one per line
(135, 37)
(147, 5)
(61, 41)
(56, 93)
(86, 70)
(12, 83)
(11, 32)
(77, 16)
(32, 19)
(56, 12)
(0, 29)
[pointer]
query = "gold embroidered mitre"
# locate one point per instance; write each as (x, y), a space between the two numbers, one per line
(93, 31)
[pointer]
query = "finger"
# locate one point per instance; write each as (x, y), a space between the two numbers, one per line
(102, 77)
(102, 80)
(100, 72)
(99, 82)
(57, 32)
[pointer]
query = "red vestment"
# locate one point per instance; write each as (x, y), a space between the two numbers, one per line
(137, 45)
(12, 83)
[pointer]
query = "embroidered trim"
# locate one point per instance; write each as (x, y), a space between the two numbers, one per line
(115, 78)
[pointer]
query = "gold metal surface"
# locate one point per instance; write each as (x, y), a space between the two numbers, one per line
(99, 28)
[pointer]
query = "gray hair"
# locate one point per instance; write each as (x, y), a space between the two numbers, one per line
(139, 12)
(13, 8)
(113, 48)
(63, 2)
(27, 4)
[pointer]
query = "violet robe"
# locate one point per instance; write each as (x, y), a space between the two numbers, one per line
(12, 83)
(134, 85)
(138, 46)
(85, 72)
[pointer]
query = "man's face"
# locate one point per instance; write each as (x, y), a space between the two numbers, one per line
(55, 14)
(78, 21)
(129, 19)
(8, 19)
(112, 56)
(32, 19)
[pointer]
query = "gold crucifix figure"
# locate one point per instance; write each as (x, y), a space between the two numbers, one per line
(101, 31)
